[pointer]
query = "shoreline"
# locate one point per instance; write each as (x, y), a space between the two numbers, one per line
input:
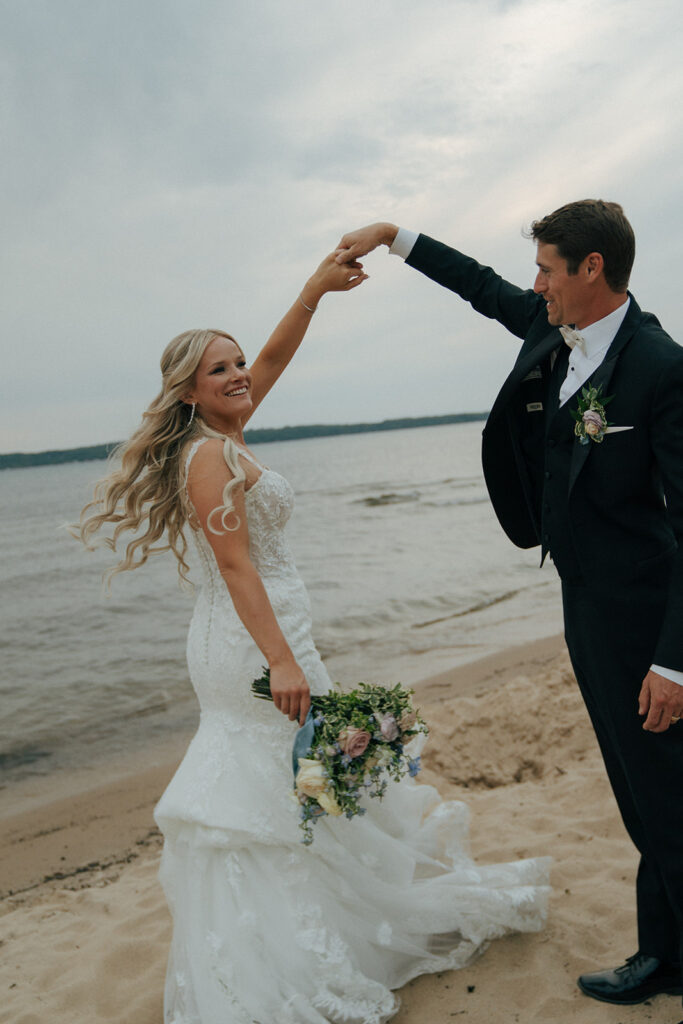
(67, 829)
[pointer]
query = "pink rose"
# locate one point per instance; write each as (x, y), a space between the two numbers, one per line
(388, 728)
(592, 422)
(354, 741)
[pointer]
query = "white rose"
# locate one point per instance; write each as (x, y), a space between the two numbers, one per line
(385, 757)
(329, 804)
(310, 778)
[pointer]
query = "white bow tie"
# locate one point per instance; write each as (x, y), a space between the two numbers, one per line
(573, 338)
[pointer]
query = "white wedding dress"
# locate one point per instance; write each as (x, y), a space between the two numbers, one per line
(267, 930)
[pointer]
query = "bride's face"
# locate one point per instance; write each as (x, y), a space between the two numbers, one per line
(222, 385)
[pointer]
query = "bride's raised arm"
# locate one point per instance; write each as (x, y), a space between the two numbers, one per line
(288, 335)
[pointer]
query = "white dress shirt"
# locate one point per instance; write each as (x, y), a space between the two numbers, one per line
(597, 337)
(403, 243)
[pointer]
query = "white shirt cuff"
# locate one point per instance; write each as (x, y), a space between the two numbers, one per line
(403, 243)
(669, 673)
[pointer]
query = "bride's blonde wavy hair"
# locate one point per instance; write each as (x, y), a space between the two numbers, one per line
(145, 489)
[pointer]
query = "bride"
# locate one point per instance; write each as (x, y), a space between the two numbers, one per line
(267, 931)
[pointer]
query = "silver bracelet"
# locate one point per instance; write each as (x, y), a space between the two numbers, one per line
(305, 306)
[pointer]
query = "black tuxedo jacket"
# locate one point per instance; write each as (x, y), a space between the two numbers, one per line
(624, 495)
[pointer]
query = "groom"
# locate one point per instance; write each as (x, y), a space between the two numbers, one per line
(606, 502)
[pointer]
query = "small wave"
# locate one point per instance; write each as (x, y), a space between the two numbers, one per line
(21, 757)
(453, 502)
(479, 607)
(393, 498)
(148, 709)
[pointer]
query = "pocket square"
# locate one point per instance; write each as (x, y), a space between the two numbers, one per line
(616, 430)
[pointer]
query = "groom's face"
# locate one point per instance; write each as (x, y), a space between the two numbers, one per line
(564, 293)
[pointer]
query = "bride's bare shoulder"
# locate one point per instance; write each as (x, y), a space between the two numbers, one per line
(207, 459)
(202, 450)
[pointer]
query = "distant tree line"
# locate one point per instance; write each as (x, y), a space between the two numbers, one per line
(261, 435)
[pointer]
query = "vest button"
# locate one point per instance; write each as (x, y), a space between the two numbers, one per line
(551, 442)
(547, 474)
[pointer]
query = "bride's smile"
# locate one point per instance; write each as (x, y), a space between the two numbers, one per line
(222, 385)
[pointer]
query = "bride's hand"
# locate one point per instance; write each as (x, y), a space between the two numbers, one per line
(331, 276)
(359, 243)
(291, 693)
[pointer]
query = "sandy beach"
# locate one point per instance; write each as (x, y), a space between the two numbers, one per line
(85, 929)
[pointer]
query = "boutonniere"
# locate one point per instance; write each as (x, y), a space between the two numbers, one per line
(591, 422)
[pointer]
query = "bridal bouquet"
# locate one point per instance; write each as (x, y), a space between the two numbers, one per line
(350, 745)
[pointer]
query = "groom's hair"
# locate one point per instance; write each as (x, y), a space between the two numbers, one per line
(591, 225)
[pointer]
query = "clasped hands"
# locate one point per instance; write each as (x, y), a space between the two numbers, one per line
(341, 271)
(362, 241)
(661, 701)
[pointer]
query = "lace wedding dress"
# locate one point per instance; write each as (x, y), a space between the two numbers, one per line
(267, 930)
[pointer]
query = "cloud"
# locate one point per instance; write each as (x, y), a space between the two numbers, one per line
(173, 166)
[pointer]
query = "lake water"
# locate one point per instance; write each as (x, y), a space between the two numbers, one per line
(408, 570)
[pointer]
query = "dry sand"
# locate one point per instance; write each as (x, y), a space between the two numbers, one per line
(85, 929)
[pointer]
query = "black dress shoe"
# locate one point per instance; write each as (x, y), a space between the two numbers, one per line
(635, 981)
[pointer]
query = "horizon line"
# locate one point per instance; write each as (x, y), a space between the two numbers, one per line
(257, 435)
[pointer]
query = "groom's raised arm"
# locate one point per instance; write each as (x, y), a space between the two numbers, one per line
(488, 293)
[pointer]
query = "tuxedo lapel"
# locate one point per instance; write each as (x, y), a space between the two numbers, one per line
(557, 376)
(526, 363)
(602, 377)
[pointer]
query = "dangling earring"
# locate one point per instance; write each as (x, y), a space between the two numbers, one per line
(194, 406)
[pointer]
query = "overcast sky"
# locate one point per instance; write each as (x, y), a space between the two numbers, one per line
(169, 165)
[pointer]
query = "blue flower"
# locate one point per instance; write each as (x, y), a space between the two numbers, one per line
(346, 760)
(318, 720)
(414, 766)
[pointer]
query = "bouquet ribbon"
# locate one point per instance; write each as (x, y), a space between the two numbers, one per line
(303, 741)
